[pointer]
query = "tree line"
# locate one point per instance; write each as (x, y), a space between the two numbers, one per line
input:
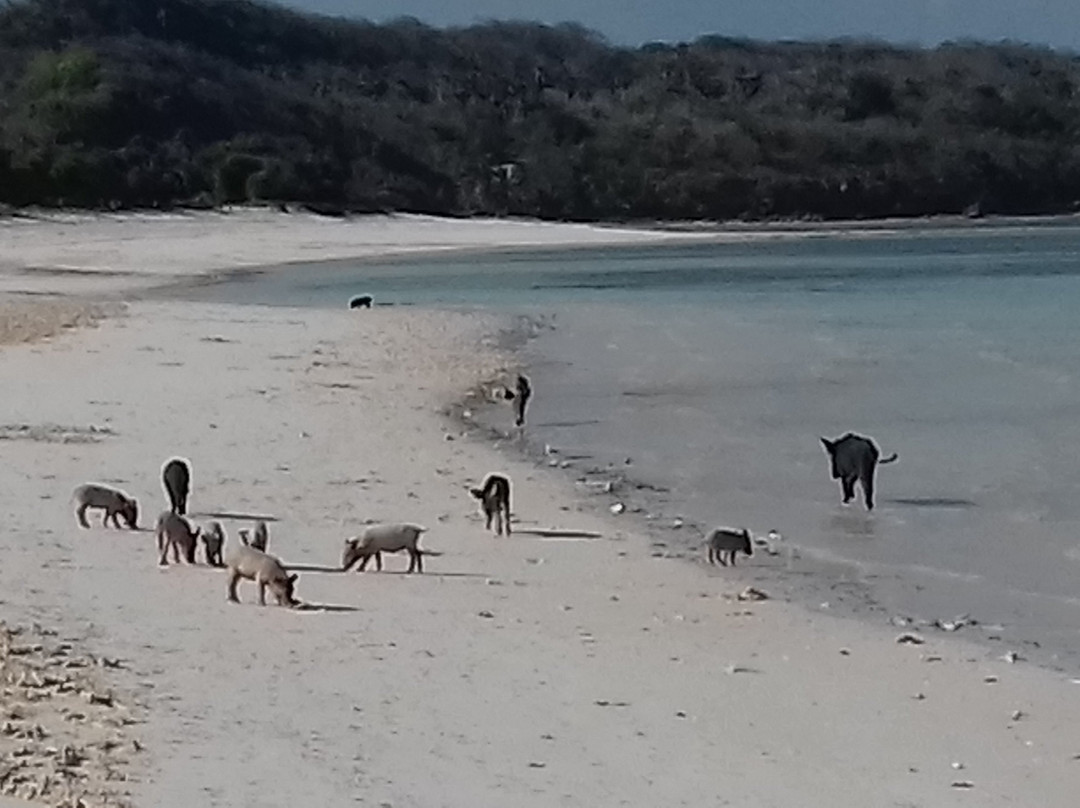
(140, 103)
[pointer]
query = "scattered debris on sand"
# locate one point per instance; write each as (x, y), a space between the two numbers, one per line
(910, 639)
(65, 738)
(752, 593)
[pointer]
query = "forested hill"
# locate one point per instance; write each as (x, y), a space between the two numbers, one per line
(138, 103)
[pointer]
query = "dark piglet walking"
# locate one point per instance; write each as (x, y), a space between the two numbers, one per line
(724, 542)
(494, 499)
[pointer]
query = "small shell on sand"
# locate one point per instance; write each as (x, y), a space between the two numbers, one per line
(752, 593)
(910, 639)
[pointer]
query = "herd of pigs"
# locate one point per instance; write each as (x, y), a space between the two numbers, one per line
(249, 559)
(853, 458)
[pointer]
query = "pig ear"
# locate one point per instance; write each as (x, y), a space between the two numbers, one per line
(292, 578)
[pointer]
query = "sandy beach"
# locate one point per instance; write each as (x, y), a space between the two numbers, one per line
(570, 664)
(75, 253)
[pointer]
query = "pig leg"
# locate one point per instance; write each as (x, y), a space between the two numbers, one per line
(234, 579)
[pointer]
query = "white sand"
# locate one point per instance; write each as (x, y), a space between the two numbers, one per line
(530, 671)
(81, 253)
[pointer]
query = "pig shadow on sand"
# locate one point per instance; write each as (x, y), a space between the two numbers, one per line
(552, 533)
(325, 607)
(338, 570)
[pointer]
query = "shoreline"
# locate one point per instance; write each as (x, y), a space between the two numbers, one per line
(81, 215)
(815, 581)
(568, 663)
(646, 507)
(115, 256)
(121, 254)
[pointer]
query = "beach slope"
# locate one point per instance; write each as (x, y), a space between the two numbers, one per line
(570, 664)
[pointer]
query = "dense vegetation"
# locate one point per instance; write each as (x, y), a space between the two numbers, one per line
(136, 103)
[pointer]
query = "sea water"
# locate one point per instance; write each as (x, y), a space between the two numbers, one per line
(702, 377)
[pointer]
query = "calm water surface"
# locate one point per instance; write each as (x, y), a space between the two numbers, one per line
(716, 367)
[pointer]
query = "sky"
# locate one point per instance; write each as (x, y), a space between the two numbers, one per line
(632, 22)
